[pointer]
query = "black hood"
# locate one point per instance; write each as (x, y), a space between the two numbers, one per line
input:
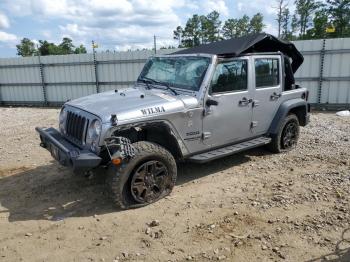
(249, 44)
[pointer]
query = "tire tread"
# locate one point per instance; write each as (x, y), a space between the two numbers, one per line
(275, 145)
(117, 178)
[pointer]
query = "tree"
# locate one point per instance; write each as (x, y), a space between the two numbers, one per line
(80, 50)
(229, 30)
(304, 10)
(178, 34)
(201, 29)
(243, 26)
(192, 33)
(294, 24)
(66, 46)
(285, 24)
(47, 48)
(210, 25)
(320, 23)
(256, 24)
(26, 48)
(339, 11)
(281, 6)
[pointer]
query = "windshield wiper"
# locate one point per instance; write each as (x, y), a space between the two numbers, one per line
(148, 81)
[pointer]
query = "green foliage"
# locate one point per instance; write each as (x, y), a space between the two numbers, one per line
(46, 48)
(200, 29)
(191, 35)
(80, 50)
(312, 18)
(294, 24)
(66, 46)
(320, 22)
(304, 10)
(256, 24)
(27, 48)
(210, 27)
(177, 34)
(285, 24)
(339, 12)
(243, 25)
(229, 30)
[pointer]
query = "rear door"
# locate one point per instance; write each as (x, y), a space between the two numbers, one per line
(268, 89)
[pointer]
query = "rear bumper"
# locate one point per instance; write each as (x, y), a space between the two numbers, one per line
(66, 153)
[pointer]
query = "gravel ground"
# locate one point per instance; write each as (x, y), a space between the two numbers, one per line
(254, 206)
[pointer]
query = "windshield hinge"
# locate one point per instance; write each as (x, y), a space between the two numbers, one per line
(206, 135)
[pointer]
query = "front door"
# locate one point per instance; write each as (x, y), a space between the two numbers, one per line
(228, 121)
(268, 89)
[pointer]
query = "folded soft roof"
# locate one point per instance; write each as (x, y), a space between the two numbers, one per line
(249, 44)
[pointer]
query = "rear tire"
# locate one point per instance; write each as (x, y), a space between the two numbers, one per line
(149, 176)
(287, 137)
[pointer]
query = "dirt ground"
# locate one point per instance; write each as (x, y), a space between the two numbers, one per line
(253, 206)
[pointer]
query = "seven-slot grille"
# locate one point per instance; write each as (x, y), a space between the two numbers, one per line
(75, 126)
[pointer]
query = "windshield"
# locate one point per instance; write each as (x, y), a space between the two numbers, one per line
(180, 72)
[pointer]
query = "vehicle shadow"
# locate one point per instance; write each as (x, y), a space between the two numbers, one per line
(52, 192)
(190, 171)
(341, 253)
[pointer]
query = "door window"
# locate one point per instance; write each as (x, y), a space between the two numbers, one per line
(230, 76)
(267, 72)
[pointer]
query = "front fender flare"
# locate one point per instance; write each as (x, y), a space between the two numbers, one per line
(181, 145)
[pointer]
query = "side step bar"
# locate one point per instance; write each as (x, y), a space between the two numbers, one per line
(229, 150)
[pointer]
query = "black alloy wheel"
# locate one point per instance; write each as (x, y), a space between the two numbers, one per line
(290, 135)
(150, 180)
(146, 178)
(287, 136)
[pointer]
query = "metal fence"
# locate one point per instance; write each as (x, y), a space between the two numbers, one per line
(326, 71)
(52, 80)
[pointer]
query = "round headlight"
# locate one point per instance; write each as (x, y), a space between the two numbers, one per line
(62, 120)
(95, 129)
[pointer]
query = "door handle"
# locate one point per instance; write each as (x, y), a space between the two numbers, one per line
(275, 96)
(245, 101)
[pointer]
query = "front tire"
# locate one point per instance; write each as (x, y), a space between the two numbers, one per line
(287, 137)
(149, 176)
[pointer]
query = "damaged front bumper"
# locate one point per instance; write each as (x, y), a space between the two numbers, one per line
(66, 153)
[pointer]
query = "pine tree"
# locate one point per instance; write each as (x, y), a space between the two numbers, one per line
(339, 11)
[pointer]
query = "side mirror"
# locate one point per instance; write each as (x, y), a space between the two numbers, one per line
(211, 102)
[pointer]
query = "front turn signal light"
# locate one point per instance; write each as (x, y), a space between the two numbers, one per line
(117, 161)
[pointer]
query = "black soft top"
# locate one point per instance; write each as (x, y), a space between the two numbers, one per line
(249, 44)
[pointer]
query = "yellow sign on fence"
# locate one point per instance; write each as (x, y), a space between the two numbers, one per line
(330, 29)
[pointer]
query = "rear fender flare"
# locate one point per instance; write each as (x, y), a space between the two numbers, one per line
(283, 111)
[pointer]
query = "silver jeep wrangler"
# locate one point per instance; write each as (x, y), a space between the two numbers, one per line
(195, 105)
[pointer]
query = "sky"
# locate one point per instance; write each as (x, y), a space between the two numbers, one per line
(116, 25)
